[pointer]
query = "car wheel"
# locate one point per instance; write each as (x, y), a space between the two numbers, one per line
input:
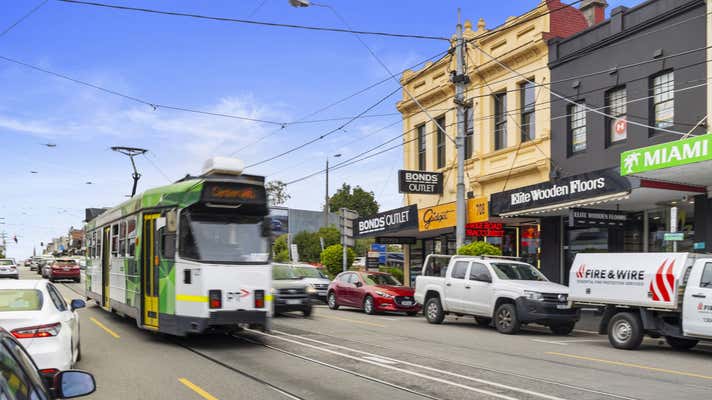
(563, 328)
(331, 301)
(434, 311)
(681, 343)
(369, 307)
(625, 331)
(484, 321)
(506, 320)
(307, 311)
(77, 280)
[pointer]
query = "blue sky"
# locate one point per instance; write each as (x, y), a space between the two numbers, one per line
(261, 72)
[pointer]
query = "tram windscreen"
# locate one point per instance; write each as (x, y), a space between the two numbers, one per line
(219, 238)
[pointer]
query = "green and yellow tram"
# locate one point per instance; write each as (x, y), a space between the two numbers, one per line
(188, 257)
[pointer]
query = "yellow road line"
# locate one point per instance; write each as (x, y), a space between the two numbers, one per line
(355, 321)
(104, 327)
(629, 365)
(197, 389)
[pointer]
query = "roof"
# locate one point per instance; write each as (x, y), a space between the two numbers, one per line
(22, 283)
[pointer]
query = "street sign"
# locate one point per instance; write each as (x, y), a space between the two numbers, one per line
(372, 260)
(348, 241)
(674, 236)
(295, 253)
(699, 245)
(620, 127)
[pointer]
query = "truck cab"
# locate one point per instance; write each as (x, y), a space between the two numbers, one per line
(509, 292)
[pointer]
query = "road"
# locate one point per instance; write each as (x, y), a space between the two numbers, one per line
(346, 354)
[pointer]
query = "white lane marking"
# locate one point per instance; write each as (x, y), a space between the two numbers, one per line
(389, 318)
(380, 360)
(549, 342)
(566, 341)
(439, 371)
(285, 393)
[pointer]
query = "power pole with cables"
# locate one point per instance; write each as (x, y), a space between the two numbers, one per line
(460, 79)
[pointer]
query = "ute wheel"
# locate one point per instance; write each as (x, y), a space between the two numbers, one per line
(307, 311)
(681, 343)
(434, 311)
(484, 321)
(562, 328)
(506, 320)
(369, 307)
(625, 331)
(331, 301)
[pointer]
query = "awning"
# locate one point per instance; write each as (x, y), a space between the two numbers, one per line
(571, 204)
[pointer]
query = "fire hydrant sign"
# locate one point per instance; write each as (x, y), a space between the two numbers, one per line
(421, 182)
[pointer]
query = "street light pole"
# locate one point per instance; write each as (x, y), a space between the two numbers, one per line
(326, 193)
(460, 80)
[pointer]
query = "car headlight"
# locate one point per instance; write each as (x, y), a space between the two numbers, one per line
(384, 294)
(273, 291)
(311, 290)
(533, 295)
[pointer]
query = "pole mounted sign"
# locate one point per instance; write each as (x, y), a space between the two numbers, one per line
(665, 155)
(420, 182)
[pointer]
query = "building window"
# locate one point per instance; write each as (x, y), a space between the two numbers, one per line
(527, 111)
(421, 147)
(440, 126)
(616, 108)
(663, 106)
(500, 121)
(577, 127)
(469, 132)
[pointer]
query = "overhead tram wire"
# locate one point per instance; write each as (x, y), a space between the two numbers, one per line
(253, 22)
(24, 17)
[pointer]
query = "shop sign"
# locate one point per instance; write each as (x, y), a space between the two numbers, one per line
(388, 221)
(699, 245)
(665, 155)
(477, 209)
(372, 260)
(481, 229)
(674, 236)
(437, 217)
(580, 217)
(577, 187)
(421, 182)
(395, 240)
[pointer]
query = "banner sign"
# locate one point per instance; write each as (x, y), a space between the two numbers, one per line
(437, 217)
(482, 229)
(388, 221)
(665, 155)
(582, 217)
(577, 187)
(421, 182)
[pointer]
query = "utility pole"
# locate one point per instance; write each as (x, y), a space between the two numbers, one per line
(709, 67)
(460, 79)
(326, 195)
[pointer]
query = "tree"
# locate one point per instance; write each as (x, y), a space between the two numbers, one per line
(359, 200)
(309, 244)
(280, 249)
(332, 258)
(277, 193)
(479, 249)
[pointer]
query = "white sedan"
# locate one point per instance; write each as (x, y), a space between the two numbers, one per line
(35, 313)
(8, 268)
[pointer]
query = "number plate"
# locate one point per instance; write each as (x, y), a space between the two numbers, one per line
(407, 303)
(66, 268)
(563, 306)
(294, 301)
(3, 269)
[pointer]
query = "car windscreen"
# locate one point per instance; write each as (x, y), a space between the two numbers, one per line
(307, 272)
(283, 272)
(6, 262)
(517, 272)
(65, 262)
(20, 300)
(380, 279)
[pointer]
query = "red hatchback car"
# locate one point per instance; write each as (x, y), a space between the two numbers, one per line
(64, 268)
(371, 292)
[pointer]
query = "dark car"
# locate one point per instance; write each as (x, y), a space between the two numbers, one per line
(289, 291)
(372, 292)
(20, 379)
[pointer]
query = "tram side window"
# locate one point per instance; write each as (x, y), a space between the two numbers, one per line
(122, 238)
(115, 239)
(96, 244)
(131, 237)
(168, 245)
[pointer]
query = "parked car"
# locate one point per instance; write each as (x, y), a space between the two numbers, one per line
(62, 268)
(41, 262)
(35, 313)
(8, 268)
(20, 378)
(372, 292)
(289, 292)
(512, 293)
(314, 278)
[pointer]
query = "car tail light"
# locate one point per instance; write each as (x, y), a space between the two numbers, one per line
(215, 298)
(49, 371)
(38, 331)
(259, 298)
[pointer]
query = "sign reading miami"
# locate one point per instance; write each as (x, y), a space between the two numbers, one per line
(670, 154)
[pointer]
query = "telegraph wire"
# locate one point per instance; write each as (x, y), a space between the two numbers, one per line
(24, 17)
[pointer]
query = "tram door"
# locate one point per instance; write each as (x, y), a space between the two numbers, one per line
(149, 275)
(105, 267)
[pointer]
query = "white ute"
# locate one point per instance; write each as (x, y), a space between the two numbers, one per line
(658, 294)
(511, 292)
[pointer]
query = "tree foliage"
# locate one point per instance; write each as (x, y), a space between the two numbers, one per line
(332, 258)
(309, 245)
(359, 200)
(479, 249)
(277, 193)
(280, 249)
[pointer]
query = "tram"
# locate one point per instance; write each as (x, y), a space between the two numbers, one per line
(186, 258)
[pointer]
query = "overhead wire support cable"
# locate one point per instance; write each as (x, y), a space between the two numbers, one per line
(24, 17)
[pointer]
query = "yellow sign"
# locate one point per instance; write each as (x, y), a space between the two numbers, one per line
(437, 217)
(477, 210)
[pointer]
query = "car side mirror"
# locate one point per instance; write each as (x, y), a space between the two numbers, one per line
(77, 303)
(73, 383)
(358, 284)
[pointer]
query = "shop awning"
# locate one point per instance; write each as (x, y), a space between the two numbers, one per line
(571, 204)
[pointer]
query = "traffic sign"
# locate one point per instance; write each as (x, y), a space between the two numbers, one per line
(621, 127)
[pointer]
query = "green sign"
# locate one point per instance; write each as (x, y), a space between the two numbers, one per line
(665, 155)
(674, 236)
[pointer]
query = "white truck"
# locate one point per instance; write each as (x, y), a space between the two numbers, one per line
(658, 294)
(512, 293)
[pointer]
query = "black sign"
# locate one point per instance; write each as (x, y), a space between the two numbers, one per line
(233, 193)
(388, 221)
(577, 187)
(582, 217)
(420, 182)
(395, 240)
(372, 263)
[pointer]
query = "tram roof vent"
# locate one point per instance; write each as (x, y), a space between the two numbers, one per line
(223, 165)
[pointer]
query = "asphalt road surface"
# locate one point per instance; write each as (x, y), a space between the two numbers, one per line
(346, 354)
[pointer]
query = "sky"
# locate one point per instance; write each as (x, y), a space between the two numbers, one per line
(267, 73)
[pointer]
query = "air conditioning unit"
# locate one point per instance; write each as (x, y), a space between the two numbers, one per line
(223, 166)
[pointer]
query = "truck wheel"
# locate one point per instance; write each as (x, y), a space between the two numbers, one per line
(331, 301)
(506, 320)
(562, 328)
(368, 306)
(484, 321)
(625, 331)
(307, 311)
(434, 311)
(680, 343)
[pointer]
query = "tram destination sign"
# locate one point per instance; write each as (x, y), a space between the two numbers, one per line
(233, 193)
(421, 182)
